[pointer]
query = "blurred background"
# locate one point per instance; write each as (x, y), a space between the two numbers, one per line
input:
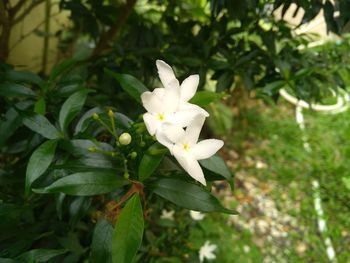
(246, 52)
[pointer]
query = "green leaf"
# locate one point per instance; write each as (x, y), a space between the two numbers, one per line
(13, 89)
(41, 255)
(38, 123)
(40, 106)
(71, 107)
(225, 81)
(188, 195)
(39, 162)
(130, 84)
(203, 98)
(128, 232)
(85, 184)
(101, 247)
(86, 119)
(23, 76)
(62, 67)
(150, 161)
(218, 166)
(10, 125)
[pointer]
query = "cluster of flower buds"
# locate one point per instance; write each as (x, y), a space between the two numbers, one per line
(177, 123)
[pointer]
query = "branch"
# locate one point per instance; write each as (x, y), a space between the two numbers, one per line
(14, 10)
(26, 11)
(113, 32)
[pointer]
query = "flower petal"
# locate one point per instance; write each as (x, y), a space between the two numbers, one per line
(206, 148)
(193, 108)
(166, 73)
(151, 123)
(164, 140)
(194, 129)
(189, 87)
(171, 98)
(151, 102)
(190, 165)
(174, 132)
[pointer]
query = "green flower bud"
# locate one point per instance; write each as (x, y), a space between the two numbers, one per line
(110, 113)
(95, 116)
(133, 155)
(125, 138)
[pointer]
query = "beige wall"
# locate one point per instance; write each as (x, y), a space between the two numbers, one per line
(27, 53)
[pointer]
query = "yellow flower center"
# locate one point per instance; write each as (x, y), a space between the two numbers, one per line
(161, 117)
(186, 147)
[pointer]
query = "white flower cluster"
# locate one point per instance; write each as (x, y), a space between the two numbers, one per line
(176, 123)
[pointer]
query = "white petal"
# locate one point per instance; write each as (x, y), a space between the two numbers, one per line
(189, 87)
(171, 98)
(166, 73)
(163, 139)
(151, 102)
(183, 118)
(190, 165)
(159, 92)
(174, 132)
(193, 108)
(194, 129)
(206, 148)
(151, 123)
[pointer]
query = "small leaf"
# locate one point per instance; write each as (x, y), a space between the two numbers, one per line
(130, 84)
(218, 166)
(23, 76)
(41, 125)
(85, 184)
(41, 255)
(128, 232)
(62, 67)
(188, 195)
(39, 162)
(40, 106)
(13, 89)
(10, 125)
(71, 107)
(203, 98)
(101, 247)
(150, 162)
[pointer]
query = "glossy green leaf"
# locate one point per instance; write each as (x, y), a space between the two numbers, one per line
(86, 119)
(101, 247)
(40, 106)
(218, 166)
(41, 255)
(71, 107)
(13, 89)
(61, 68)
(150, 161)
(128, 231)
(188, 195)
(11, 123)
(39, 162)
(85, 184)
(203, 98)
(23, 76)
(130, 84)
(41, 125)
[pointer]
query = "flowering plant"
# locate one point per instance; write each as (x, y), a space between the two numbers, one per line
(105, 170)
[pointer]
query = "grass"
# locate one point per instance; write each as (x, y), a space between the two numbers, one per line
(273, 172)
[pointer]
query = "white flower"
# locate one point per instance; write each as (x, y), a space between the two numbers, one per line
(196, 215)
(206, 251)
(167, 214)
(170, 104)
(187, 151)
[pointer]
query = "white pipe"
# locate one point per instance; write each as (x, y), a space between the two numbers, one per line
(341, 105)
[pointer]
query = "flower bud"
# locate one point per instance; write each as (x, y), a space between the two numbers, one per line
(125, 138)
(95, 116)
(133, 155)
(110, 113)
